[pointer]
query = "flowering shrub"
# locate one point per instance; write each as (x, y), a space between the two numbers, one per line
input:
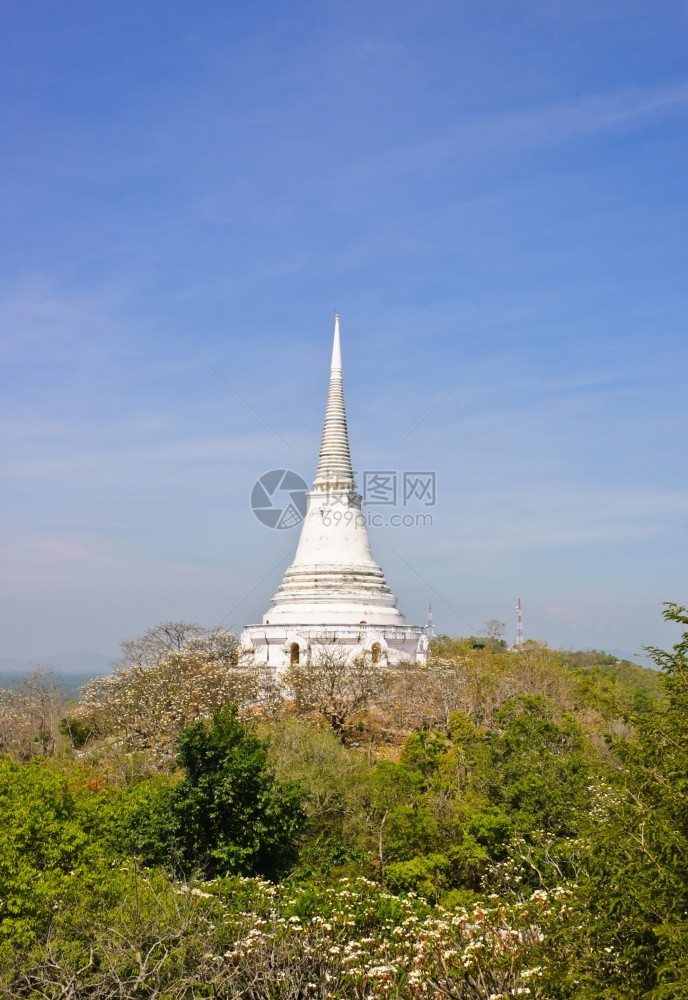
(357, 940)
(249, 938)
(146, 705)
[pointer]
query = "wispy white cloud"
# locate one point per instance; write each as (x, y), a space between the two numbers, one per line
(514, 132)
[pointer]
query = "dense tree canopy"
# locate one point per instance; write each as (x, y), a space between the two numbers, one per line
(228, 814)
(498, 824)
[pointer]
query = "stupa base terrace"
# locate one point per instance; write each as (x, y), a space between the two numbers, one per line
(278, 646)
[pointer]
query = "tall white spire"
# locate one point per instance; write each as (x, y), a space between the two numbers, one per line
(334, 576)
(334, 465)
(336, 364)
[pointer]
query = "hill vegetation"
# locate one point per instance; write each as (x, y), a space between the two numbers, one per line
(496, 824)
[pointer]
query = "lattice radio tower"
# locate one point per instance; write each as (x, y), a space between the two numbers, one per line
(430, 627)
(519, 625)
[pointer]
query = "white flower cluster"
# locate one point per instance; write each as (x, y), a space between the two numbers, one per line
(146, 705)
(364, 942)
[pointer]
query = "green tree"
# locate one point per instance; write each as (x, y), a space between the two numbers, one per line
(336, 779)
(631, 902)
(228, 814)
(538, 768)
(59, 829)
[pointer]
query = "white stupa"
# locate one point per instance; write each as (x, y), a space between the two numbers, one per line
(334, 594)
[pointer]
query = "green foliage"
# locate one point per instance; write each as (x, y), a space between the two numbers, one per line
(461, 730)
(336, 780)
(636, 688)
(423, 751)
(405, 824)
(445, 647)
(520, 833)
(77, 731)
(40, 842)
(58, 830)
(427, 876)
(228, 814)
(334, 776)
(636, 891)
(116, 931)
(490, 828)
(55, 829)
(538, 769)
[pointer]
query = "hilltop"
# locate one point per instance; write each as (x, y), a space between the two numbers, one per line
(190, 819)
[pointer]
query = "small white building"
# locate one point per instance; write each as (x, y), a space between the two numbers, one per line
(334, 594)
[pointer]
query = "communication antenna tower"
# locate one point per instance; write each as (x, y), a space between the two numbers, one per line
(430, 627)
(519, 624)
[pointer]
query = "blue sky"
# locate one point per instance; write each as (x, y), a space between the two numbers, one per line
(431, 171)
